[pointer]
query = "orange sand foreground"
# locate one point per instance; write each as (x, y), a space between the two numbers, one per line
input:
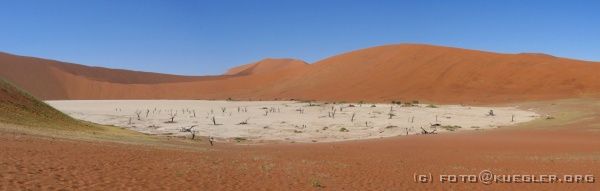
(565, 145)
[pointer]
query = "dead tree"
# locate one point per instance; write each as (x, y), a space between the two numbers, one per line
(214, 120)
(512, 118)
(223, 109)
(190, 130)
(138, 113)
(245, 122)
(391, 115)
(491, 113)
(352, 118)
(211, 140)
(332, 113)
(147, 112)
(425, 132)
(172, 116)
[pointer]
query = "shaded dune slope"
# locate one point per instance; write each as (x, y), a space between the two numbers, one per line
(43, 78)
(384, 73)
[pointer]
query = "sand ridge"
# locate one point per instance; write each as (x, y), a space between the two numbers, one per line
(266, 66)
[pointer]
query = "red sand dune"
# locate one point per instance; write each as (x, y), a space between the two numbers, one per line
(384, 73)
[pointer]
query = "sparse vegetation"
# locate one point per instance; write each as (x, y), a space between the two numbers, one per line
(316, 183)
(343, 129)
(311, 104)
(450, 127)
(239, 139)
(390, 126)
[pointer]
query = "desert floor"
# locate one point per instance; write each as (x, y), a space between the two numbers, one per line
(288, 121)
(567, 144)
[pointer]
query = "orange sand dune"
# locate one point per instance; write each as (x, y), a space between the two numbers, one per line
(384, 73)
(444, 74)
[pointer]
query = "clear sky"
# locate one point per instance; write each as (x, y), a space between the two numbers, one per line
(207, 37)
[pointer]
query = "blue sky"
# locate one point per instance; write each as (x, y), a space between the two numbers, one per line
(207, 37)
